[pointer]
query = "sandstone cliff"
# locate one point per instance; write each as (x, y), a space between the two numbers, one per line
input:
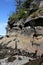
(22, 32)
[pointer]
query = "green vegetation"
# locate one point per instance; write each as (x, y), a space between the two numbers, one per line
(26, 3)
(17, 16)
(22, 9)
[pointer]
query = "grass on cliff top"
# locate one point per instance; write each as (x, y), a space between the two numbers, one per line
(21, 14)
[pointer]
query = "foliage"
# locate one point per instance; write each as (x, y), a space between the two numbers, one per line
(22, 10)
(26, 4)
(23, 13)
(14, 17)
(18, 5)
(19, 15)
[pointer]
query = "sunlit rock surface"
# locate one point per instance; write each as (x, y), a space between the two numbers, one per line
(17, 61)
(24, 41)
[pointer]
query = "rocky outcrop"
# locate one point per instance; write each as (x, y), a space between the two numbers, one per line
(24, 42)
(20, 33)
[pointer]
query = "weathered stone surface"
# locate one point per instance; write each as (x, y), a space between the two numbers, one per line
(24, 34)
(24, 42)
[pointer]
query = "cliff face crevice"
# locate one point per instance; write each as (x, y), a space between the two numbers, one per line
(23, 30)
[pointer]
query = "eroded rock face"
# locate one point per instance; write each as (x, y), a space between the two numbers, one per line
(36, 3)
(25, 36)
(24, 41)
(41, 4)
(23, 33)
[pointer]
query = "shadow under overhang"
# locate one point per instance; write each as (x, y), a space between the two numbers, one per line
(34, 22)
